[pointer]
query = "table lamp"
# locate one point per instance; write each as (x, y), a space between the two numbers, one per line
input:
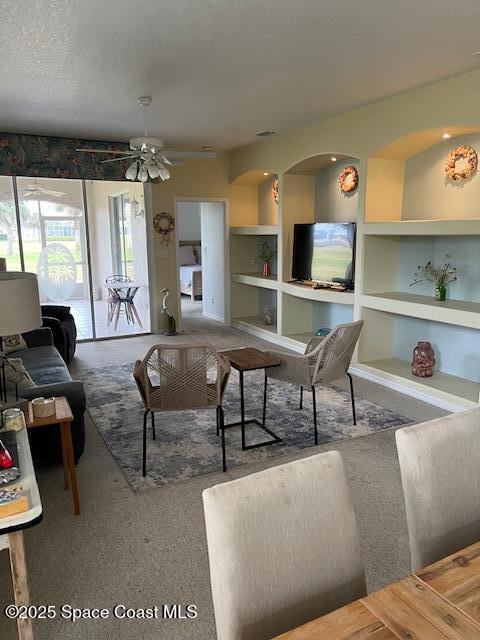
(19, 309)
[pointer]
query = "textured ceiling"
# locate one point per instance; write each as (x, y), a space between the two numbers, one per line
(218, 70)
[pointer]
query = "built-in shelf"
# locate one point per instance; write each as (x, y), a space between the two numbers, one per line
(254, 322)
(456, 312)
(255, 230)
(256, 280)
(317, 295)
(300, 338)
(441, 385)
(423, 228)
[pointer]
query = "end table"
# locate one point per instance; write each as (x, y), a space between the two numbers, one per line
(64, 418)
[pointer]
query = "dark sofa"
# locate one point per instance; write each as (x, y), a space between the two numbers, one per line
(49, 372)
(59, 319)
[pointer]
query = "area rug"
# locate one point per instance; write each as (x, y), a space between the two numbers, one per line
(187, 444)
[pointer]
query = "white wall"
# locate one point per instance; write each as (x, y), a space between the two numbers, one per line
(188, 221)
(428, 195)
(331, 204)
(212, 221)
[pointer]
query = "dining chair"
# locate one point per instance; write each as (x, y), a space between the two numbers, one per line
(181, 378)
(325, 360)
(283, 547)
(439, 465)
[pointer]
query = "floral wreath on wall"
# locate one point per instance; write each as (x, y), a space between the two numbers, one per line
(348, 179)
(275, 190)
(464, 152)
(164, 224)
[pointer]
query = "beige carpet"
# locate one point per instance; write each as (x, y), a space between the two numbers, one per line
(147, 549)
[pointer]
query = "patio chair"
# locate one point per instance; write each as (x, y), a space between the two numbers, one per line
(116, 299)
(181, 378)
(325, 360)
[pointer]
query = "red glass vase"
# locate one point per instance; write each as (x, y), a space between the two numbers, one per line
(423, 360)
(266, 270)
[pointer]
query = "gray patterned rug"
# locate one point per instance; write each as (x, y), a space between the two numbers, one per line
(187, 444)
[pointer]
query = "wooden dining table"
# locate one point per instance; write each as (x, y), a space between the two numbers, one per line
(439, 602)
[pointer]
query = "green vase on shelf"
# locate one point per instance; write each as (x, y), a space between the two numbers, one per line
(440, 292)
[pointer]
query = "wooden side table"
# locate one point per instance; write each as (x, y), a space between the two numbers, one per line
(64, 418)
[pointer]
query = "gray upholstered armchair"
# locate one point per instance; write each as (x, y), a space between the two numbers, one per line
(181, 378)
(325, 360)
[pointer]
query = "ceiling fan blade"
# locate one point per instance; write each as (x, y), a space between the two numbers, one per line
(56, 194)
(110, 151)
(131, 157)
(172, 163)
(172, 153)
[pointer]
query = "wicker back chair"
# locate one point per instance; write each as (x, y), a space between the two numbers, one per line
(325, 360)
(181, 378)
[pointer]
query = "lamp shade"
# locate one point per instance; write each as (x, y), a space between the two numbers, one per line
(19, 303)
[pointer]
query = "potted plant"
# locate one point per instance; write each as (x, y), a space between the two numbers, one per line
(441, 276)
(267, 253)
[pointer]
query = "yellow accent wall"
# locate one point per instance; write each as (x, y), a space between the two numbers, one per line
(452, 104)
(202, 180)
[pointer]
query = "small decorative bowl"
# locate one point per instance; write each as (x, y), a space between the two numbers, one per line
(43, 407)
(323, 332)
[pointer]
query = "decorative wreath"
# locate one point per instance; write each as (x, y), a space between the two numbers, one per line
(275, 190)
(164, 224)
(348, 179)
(465, 152)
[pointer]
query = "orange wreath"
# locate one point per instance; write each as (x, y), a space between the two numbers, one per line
(465, 152)
(275, 190)
(348, 179)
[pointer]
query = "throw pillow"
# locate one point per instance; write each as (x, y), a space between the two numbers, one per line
(16, 374)
(186, 255)
(13, 343)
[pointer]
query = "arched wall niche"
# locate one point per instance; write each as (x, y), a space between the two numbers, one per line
(405, 179)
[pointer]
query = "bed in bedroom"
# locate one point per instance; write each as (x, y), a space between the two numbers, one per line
(190, 269)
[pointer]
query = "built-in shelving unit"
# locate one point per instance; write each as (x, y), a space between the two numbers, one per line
(255, 230)
(408, 215)
(317, 295)
(443, 387)
(455, 312)
(423, 228)
(256, 279)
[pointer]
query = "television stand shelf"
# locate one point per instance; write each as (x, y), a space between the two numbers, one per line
(305, 290)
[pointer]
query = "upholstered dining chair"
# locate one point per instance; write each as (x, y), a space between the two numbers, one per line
(439, 462)
(325, 360)
(181, 378)
(283, 547)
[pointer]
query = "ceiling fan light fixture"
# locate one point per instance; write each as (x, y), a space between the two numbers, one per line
(153, 171)
(143, 174)
(131, 172)
(164, 173)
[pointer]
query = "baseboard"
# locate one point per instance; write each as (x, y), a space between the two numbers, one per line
(210, 316)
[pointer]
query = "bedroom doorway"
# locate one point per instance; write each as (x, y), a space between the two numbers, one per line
(201, 259)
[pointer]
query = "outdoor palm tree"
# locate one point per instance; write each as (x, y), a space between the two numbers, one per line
(8, 221)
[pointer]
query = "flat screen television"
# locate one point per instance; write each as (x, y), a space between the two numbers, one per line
(325, 252)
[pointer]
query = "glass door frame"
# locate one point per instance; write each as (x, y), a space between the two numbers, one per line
(87, 246)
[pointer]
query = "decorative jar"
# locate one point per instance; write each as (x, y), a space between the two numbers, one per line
(13, 419)
(423, 360)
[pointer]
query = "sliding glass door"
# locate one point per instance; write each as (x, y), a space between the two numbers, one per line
(78, 237)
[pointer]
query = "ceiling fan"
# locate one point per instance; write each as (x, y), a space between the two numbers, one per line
(150, 158)
(36, 190)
